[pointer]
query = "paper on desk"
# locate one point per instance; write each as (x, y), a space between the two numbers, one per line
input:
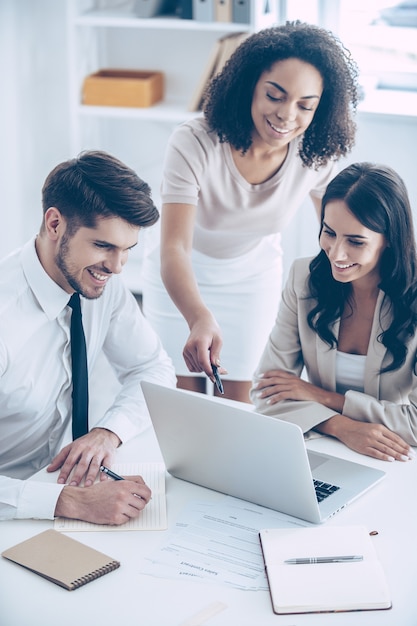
(218, 542)
(153, 516)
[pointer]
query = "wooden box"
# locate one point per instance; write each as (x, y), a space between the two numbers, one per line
(123, 88)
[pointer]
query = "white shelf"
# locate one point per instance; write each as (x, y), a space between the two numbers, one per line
(161, 112)
(376, 102)
(92, 32)
(126, 19)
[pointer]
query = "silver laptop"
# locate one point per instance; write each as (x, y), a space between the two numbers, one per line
(219, 445)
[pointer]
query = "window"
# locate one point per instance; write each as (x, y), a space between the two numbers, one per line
(381, 35)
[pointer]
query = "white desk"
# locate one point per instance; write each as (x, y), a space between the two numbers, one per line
(128, 597)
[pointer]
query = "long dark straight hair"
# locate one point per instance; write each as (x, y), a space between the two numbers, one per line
(378, 198)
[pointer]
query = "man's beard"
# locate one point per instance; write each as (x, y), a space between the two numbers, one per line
(61, 262)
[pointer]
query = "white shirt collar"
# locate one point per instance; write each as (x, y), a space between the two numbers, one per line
(51, 297)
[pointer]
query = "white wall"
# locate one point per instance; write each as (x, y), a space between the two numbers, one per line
(33, 110)
(11, 223)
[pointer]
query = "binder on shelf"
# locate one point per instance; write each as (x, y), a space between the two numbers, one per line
(241, 11)
(258, 13)
(203, 10)
(220, 54)
(223, 10)
(152, 8)
(208, 72)
(185, 9)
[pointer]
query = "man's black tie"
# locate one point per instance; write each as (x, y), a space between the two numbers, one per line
(79, 371)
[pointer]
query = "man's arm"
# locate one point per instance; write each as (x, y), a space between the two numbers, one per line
(25, 499)
(135, 353)
(106, 502)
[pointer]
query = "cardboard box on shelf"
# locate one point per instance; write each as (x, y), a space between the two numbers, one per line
(124, 88)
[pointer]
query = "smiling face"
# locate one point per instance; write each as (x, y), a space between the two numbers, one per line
(284, 101)
(353, 250)
(86, 260)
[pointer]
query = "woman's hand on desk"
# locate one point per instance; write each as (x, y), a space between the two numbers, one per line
(374, 440)
(278, 385)
(110, 501)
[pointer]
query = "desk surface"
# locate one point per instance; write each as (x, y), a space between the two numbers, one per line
(133, 598)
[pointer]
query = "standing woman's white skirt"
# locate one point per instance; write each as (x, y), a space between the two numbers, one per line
(243, 294)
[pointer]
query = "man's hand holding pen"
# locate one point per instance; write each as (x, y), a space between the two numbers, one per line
(113, 501)
(110, 501)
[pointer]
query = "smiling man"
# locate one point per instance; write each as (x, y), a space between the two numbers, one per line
(94, 207)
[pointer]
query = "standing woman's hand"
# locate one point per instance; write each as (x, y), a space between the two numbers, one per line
(203, 346)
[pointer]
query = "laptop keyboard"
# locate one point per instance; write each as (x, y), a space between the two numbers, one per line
(324, 490)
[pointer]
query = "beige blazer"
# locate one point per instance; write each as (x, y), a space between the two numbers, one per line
(389, 399)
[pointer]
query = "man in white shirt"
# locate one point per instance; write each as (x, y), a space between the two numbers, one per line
(94, 207)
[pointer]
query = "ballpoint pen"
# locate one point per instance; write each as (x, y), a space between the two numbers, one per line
(324, 559)
(219, 384)
(109, 473)
(115, 476)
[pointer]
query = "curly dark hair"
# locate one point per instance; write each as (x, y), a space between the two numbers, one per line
(378, 198)
(228, 98)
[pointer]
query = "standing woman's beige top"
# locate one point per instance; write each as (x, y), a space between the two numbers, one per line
(237, 256)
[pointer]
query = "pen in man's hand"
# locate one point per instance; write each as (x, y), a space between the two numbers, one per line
(324, 559)
(108, 471)
(115, 476)
(219, 384)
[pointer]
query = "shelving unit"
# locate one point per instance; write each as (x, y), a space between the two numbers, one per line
(107, 34)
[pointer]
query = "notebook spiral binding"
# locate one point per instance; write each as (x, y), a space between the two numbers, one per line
(79, 582)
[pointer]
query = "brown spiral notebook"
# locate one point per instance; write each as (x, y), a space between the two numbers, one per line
(61, 559)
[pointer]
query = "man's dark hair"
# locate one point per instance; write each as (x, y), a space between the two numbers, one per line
(228, 99)
(97, 185)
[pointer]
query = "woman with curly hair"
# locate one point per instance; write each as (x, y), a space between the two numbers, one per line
(276, 119)
(349, 317)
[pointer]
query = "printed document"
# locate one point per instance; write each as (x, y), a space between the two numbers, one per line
(218, 542)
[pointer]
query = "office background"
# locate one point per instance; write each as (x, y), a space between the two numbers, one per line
(35, 131)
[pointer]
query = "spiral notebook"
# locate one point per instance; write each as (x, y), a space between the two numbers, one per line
(60, 559)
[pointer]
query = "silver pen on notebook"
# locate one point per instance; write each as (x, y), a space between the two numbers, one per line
(312, 560)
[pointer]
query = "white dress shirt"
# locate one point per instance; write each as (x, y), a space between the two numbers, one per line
(35, 374)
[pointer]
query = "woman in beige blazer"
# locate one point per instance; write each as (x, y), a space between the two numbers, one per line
(348, 319)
